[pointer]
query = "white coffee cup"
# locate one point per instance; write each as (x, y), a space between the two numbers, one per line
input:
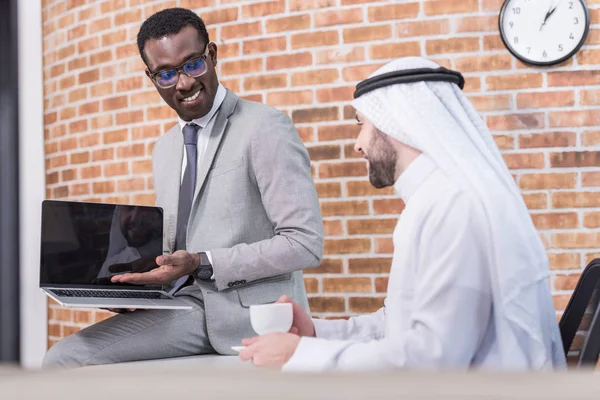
(270, 318)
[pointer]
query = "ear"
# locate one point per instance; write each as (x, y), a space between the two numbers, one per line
(213, 52)
(147, 71)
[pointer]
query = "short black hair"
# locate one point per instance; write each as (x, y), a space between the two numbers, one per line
(169, 22)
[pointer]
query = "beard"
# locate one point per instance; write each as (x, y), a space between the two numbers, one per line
(382, 161)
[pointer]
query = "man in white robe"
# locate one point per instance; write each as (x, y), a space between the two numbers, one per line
(468, 284)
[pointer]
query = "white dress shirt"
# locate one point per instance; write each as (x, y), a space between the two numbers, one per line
(438, 307)
(206, 124)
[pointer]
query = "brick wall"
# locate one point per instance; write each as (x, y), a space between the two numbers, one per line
(102, 116)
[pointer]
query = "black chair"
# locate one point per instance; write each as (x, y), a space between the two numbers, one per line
(575, 312)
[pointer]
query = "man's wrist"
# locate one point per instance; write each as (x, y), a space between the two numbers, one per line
(204, 270)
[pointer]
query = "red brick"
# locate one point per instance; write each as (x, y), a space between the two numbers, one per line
(590, 138)
(127, 17)
(78, 126)
(338, 17)
(89, 76)
(301, 5)
(241, 30)
(546, 99)
(327, 304)
(344, 208)
(535, 200)
(92, 139)
(103, 154)
(576, 240)
(381, 285)
(347, 285)
(440, 7)
(120, 135)
(290, 98)
(365, 304)
(395, 50)
(78, 63)
(574, 118)
(384, 245)
(91, 172)
(491, 102)
(220, 15)
(329, 57)
(388, 206)
(333, 228)
(364, 188)
(265, 82)
(574, 78)
(575, 199)
(89, 44)
(131, 185)
(118, 168)
(312, 285)
(116, 37)
(371, 226)
(343, 169)
(315, 77)
(358, 73)
(264, 45)
(551, 139)
(393, 12)
(568, 159)
(244, 66)
(566, 282)
(328, 266)
(323, 38)
(369, 265)
(590, 179)
(129, 117)
(133, 150)
(555, 220)
(68, 144)
(266, 8)
(337, 132)
(548, 181)
(514, 81)
(324, 152)
(315, 114)
(103, 187)
(485, 23)
(480, 63)
(423, 28)
(453, 45)
(347, 246)
(285, 61)
(367, 33)
(287, 24)
(515, 121)
(524, 160)
(591, 220)
(560, 261)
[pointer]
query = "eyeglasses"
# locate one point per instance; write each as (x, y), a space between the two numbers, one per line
(193, 68)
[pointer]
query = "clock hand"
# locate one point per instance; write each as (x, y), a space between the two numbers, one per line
(549, 14)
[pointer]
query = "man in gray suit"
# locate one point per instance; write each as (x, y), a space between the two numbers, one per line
(242, 217)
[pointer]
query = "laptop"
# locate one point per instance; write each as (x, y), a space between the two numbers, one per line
(84, 244)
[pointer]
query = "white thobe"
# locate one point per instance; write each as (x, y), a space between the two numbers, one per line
(438, 309)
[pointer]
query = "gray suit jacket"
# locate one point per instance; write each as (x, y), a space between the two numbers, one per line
(255, 209)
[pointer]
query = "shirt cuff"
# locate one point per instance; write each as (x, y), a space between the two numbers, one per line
(310, 356)
(212, 277)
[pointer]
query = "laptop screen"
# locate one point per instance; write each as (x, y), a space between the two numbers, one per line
(85, 244)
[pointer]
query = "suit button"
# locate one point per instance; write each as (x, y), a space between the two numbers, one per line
(243, 281)
(237, 283)
(230, 284)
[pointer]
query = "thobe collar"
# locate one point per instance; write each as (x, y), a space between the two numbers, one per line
(203, 121)
(416, 173)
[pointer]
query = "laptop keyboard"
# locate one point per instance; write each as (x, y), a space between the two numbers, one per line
(109, 294)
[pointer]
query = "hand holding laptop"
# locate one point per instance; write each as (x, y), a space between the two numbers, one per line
(171, 267)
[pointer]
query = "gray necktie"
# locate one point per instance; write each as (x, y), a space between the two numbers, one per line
(186, 191)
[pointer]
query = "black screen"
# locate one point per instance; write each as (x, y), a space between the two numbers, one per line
(87, 243)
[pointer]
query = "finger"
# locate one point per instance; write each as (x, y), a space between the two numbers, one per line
(146, 278)
(247, 353)
(166, 260)
(294, 330)
(284, 299)
(250, 341)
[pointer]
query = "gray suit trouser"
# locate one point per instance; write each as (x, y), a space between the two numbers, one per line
(140, 335)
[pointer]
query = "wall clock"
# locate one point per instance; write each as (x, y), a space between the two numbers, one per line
(544, 32)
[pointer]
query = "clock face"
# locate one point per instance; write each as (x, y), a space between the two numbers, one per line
(544, 32)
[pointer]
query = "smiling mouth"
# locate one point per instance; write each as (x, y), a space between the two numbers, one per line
(192, 97)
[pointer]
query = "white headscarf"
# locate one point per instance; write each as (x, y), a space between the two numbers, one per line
(437, 119)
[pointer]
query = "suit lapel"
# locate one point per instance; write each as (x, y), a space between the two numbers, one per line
(172, 180)
(216, 135)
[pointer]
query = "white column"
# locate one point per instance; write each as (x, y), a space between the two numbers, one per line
(34, 315)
